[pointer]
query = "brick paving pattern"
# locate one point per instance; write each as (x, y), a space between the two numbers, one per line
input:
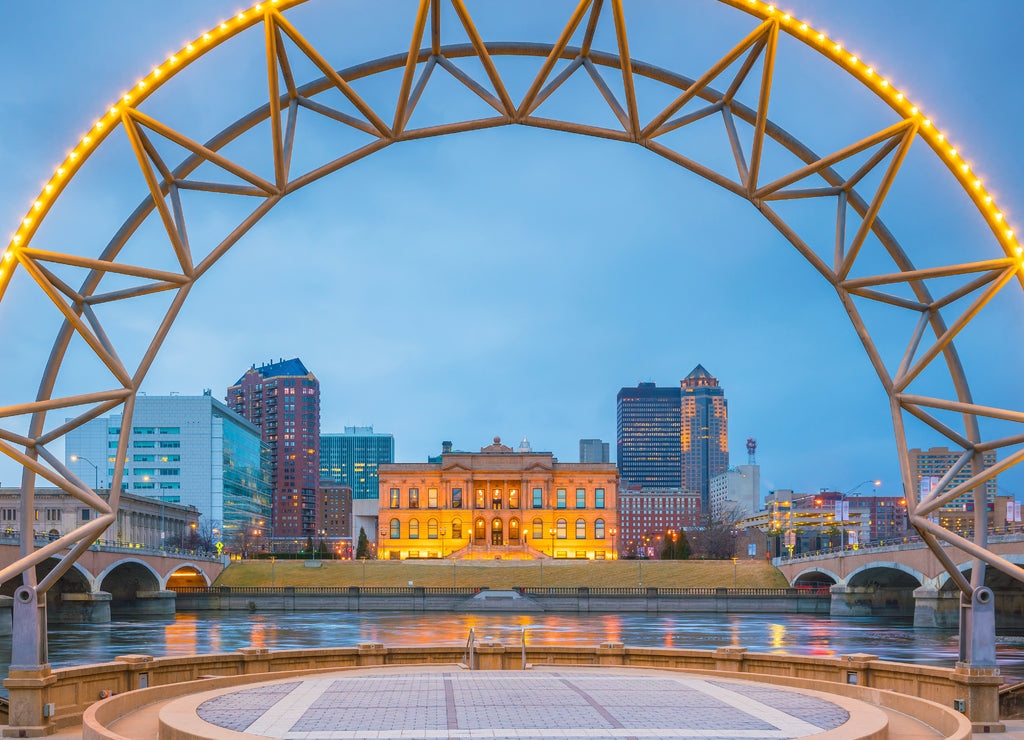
(528, 705)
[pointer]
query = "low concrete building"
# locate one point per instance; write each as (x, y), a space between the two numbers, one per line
(141, 520)
(736, 493)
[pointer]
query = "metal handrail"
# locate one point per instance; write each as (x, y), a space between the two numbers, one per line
(524, 647)
(467, 655)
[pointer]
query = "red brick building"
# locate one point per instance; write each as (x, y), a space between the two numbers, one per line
(646, 513)
(283, 399)
(335, 523)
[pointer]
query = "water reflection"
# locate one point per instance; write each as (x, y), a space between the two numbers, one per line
(207, 632)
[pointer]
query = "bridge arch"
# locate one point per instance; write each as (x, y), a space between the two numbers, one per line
(126, 578)
(818, 576)
(77, 579)
(186, 574)
(994, 579)
(886, 574)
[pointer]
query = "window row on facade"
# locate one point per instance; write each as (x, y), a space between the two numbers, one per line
(495, 499)
(481, 531)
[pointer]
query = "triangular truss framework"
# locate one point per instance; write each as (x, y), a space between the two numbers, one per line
(818, 178)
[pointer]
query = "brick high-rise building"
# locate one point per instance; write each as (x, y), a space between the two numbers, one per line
(704, 430)
(283, 400)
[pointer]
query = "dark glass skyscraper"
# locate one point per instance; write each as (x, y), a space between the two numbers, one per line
(648, 423)
(674, 437)
(704, 431)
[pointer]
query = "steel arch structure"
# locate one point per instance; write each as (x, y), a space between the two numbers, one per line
(695, 99)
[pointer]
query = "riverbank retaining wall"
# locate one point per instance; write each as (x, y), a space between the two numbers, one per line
(579, 600)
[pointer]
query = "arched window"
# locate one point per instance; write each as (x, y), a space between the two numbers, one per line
(457, 529)
(560, 529)
(480, 530)
(432, 529)
(581, 529)
(599, 529)
(538, 529)
(414, 529)
(513, 531)
(396, 529)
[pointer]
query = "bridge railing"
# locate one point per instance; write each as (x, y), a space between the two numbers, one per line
(1010, 530)
(12, 537)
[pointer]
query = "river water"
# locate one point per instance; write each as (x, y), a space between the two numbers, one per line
(215, 632)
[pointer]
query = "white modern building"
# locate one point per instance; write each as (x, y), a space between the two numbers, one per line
(736, 492)
(189, 450)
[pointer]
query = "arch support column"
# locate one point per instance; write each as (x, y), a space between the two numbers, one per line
(936, 609)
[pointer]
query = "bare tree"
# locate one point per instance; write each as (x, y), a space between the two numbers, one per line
(717, 537)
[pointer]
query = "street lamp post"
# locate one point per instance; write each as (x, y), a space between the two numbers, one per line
(95, 470)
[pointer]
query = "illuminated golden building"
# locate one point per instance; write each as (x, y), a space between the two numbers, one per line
(498, 503)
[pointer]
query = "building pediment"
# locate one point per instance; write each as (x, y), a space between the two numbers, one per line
(537, 466)
(455, 466)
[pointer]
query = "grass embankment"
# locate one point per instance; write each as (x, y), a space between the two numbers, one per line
(505, 574)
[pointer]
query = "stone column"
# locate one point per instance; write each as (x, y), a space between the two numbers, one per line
(935, 609)
(137, 668)
(978, 688)
(851, 601)
(28, 694)
(490, 656)
(730, 659)
(371, 653)
(254, 660)
(611, 653)
(855, 668)
(155, 603)
(75, 608)
(6, 616)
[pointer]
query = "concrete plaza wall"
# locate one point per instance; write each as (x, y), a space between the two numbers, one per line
(134, 681)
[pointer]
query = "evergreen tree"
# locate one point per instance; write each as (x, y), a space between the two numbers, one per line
(667, 550)
(363, 545)
(309, 546)
(682, 547)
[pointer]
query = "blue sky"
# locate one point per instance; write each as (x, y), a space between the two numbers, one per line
(509, 282)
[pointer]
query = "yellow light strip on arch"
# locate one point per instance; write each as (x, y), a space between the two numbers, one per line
(827, 47)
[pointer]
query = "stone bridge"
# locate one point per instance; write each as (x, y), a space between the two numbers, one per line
(906, 579)
(118, 579)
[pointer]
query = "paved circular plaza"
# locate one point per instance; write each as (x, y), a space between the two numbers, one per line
(553, 703)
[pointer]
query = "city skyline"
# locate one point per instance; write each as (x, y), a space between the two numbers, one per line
(402, 384)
